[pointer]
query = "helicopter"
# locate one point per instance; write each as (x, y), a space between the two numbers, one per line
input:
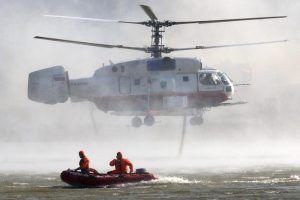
(150, 87)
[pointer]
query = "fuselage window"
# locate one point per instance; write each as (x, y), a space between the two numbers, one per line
(185, 78)
(209, 79)
(137, 81)
(163, 84)
(114, 69)
(224, 78)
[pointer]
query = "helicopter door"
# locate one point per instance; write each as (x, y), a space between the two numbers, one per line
(124, 85)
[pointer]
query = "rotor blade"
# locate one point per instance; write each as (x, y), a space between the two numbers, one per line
(221, 46)
(149, 12)
(91, 19)
(226, 20)
(91, 44)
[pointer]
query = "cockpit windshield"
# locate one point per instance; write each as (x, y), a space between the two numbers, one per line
(209, 78)
(224, 78)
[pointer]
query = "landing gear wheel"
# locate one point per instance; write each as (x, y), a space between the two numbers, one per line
(149, 120)
(194, 121)
(200, 121)
(136, 122)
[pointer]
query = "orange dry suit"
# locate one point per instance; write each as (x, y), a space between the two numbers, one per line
(121, 166)
(84, 164)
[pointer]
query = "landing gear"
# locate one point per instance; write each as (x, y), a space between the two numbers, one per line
(149, 120)
(136, 122)
(196, 121)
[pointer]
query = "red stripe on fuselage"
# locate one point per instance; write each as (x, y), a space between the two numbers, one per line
(140, 102)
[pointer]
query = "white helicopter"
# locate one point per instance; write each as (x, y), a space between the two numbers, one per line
(156, 86)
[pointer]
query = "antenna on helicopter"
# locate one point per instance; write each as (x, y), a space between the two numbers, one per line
(111, 62)
(157, 48)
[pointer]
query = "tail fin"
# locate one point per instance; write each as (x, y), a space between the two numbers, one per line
(49, 85)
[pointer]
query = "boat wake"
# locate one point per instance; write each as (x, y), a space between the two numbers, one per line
(161, 180)
(175, 179)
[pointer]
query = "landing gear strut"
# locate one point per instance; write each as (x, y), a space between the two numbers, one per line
(196, 121)
(136, 122)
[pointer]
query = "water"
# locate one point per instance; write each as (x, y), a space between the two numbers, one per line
(254, 183)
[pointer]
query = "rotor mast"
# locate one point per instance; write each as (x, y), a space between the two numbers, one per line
(157, 48)
(156, 39)
(156, 42)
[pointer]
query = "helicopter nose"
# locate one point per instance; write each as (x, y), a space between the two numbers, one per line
(229, 91)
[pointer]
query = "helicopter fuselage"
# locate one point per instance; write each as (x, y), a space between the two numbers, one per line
(146, 87)
(155, 86)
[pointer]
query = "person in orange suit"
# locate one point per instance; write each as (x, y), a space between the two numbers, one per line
(121, 165)
(84, 164)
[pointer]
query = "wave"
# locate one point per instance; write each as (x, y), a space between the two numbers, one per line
(267, 180)
(15, 183)
(175, 179)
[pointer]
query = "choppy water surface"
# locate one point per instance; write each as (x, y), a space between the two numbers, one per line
(258, 183)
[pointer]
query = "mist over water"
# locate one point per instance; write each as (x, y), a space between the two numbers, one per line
(38, 137)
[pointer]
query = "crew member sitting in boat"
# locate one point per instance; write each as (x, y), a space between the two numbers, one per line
(84, 164)
(121, 165)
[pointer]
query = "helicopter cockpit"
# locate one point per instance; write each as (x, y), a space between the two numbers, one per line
(209, 78)
(224, 78)
(214, 78)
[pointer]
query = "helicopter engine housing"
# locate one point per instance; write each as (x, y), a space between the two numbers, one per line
(50, 85)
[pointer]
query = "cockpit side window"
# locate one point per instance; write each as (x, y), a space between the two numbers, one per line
(208, 78)
(224, 78)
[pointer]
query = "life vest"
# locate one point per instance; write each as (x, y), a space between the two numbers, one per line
(84, 163)
(121, 166)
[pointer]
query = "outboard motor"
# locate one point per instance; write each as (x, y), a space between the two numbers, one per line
(49, 85)
(141, 171)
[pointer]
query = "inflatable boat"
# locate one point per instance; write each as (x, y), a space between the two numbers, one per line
(79, 179)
